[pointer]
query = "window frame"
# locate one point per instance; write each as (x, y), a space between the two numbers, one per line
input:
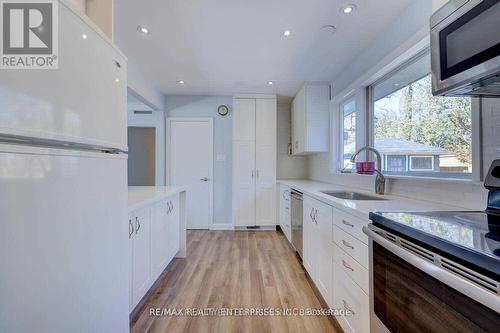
(410, 166)
(476, 124)
(340, 163)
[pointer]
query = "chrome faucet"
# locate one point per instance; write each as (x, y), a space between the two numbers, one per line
(380, 180)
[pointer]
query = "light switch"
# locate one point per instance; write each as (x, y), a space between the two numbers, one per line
(221, 158)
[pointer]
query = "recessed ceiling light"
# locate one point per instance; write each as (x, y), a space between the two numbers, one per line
(84, 36)
(348, 9)
(270, 83)
(287, 33)
(181, 82)
(143, 30)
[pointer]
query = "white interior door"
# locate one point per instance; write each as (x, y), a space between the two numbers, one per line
(265, 157)
(190, 161)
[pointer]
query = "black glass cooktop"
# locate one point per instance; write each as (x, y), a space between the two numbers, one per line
(470, 238)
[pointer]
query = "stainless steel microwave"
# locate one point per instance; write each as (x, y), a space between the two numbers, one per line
(465, 48)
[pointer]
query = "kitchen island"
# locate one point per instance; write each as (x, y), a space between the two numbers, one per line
(157, 235)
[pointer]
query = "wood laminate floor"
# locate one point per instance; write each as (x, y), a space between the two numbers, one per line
(226, 269)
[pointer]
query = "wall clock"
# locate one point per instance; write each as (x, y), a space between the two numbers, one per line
(223, 110)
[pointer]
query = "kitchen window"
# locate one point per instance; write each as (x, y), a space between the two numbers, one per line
(348, 133)
(416, 133)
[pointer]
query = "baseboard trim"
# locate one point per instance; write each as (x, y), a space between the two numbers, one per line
(222, 226)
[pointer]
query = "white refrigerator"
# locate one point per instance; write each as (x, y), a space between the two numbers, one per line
(63, 189)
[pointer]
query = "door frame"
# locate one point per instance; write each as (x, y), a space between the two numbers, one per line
(154, 120)
(210, 121)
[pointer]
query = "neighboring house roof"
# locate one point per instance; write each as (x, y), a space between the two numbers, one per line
(394, 146)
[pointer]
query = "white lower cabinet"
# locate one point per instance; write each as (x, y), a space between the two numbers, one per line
(349, 296)
(318, 244)
(154, 238)
(285, 219)
(141, 254)
(335, 255)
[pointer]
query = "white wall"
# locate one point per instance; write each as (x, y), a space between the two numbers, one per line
(141, 86)
(400, 38)
(80, 4)
(206, 106)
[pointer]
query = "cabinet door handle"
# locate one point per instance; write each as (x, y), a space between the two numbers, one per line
(347, 244)
(316, 216)
(253, 171)
(171, 207)
(346, 265)
(311, 215)
(138, 225)
(347, 307)
(257, 172)
(347, 223)
(130, 229)
(117, 64)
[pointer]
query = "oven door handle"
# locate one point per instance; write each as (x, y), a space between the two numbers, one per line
(467, 288)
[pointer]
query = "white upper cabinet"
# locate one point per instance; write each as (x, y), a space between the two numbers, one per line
(254, 161)
(310, 119)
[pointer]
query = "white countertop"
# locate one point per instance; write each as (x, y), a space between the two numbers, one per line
(362, 208)
(140, 196)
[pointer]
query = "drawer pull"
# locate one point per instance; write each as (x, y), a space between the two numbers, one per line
(347, 307)
(346, 244)
(346, 265)
(347, 223)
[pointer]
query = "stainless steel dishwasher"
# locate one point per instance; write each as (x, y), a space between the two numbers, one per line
(296, 208)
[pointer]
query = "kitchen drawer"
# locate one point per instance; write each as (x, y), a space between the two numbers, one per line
(350, 224)
(352, 246)
(348, 295)
(352, 268)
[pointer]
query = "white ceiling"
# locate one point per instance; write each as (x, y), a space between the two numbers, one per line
(224, 47)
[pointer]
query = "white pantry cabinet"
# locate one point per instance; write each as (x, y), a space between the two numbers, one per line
(254, 161)
(284, 211)
(310, 119)
(154, 238)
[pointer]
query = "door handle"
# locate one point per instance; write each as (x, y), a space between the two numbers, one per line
(138, 225)
(204, 179)
(130, 229)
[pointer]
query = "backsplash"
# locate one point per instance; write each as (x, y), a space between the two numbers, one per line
(465, 195)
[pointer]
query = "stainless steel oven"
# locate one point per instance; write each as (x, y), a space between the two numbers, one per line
(416, 290)
(465, 48)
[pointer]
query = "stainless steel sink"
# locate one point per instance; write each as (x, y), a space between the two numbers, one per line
(351, 195)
